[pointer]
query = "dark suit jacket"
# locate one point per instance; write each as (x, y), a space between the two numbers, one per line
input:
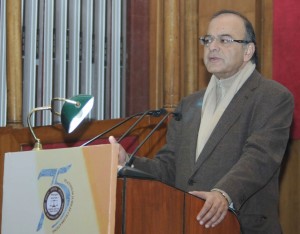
(242, 156)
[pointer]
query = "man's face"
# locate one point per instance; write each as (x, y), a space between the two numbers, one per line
(226, 60)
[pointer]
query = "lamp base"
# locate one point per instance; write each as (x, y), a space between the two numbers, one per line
(37, 146)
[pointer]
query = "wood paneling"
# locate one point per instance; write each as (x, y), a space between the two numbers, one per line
(290, 190)
(264, 24)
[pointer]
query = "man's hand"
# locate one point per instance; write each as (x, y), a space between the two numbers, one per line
(122, 153)
(214, 209)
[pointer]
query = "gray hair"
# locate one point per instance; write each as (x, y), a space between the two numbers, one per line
(250, 34)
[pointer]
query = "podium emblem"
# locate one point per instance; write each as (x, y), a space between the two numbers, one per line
(54, 203)
(58, 198)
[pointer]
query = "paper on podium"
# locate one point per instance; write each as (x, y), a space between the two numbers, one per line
(69, 190)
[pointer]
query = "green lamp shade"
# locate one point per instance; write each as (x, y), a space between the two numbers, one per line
(73, 114)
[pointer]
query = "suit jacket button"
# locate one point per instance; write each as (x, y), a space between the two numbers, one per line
(191, 182)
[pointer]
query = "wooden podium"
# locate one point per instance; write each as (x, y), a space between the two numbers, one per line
(149, 206)
(62, 191)
(76, 190)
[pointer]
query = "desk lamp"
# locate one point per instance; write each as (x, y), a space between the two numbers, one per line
(72, 113)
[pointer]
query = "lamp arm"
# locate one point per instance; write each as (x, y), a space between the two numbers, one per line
(64, 100)
(29, 122)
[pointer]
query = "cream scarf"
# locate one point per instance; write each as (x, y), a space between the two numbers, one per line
(215, 102)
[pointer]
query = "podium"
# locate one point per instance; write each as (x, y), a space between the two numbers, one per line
(67, 191)
(76, 190)
(149, 206)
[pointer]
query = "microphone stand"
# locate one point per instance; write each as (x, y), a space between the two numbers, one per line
(110, 129)
(132, 126)
(127, 170)
(131, 158)
(154, 113)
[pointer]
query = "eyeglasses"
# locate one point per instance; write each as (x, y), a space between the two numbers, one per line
(223, 40)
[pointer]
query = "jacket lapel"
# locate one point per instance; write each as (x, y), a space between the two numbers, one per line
(194, 124)
(228, 118)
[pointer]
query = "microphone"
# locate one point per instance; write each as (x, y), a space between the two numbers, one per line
(131, 158)
(155, 113)
(127, 170)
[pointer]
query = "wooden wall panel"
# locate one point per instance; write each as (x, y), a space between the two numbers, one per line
(264, 23)
(290, 190)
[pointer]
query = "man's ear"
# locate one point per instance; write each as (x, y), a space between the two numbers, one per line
(249, 51)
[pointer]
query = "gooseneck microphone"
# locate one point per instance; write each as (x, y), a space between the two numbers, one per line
(131, 157)
(127, 170)
(155, 113)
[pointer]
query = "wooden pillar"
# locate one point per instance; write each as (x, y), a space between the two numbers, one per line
(171, 53)
(265, 20)
(189, 48)
(156, 54)
(14, 63)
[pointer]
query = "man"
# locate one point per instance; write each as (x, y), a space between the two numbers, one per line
(229, 144)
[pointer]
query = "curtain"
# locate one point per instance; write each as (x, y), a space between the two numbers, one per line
(286, 52)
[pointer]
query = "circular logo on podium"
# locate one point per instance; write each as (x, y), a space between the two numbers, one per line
(54, 203)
